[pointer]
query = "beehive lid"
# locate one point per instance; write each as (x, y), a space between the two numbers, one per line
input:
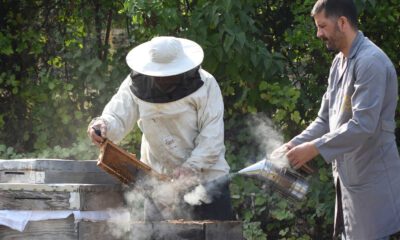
(49, 165)
(60, 187)
(52, 171)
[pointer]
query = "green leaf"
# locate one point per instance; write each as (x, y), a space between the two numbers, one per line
(51, 85)
(5, 45)
(254, 59)
(259, 201)
(68, 87)
(228, 41)
(373, 2)
(241, 37)
(263, 86)
(2, 148)
(295, 116)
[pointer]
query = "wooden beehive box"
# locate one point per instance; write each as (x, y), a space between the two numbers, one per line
(30, 185)
(49, 184)
(181, 229)
(57, 185)
(60, 229)
(165, 230)
(53, 171)
(85, 197)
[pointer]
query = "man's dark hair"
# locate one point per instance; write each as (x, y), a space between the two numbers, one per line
(337, 8)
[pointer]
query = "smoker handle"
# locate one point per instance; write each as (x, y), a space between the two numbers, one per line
(307, 169)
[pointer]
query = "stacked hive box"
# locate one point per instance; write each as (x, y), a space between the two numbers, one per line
(181, 229)
(127, 168)
(69, 185)
(57, 185)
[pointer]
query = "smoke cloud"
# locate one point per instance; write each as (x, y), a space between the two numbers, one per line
(198, 196)
(173, 200)
(269, 138)
(150, 200)
(120, 222)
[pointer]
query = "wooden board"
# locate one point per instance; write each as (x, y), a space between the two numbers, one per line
(60, 229)
(95, 231)
(165, 230)
(89, 197)
(231, 230)
(53, 171)
(181, 230)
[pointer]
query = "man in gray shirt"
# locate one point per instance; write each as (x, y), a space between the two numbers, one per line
(354, 129)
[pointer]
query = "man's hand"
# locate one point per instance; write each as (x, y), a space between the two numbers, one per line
(182, 172)
(98, 125)
(281, 151)
(301, 154)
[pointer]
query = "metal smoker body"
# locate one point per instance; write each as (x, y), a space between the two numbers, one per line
(287, 181)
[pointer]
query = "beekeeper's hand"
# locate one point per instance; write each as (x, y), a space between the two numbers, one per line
(301, 154)
(182, 172)
(100, 126)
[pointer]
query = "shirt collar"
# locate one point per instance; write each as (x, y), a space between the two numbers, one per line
(356, 44)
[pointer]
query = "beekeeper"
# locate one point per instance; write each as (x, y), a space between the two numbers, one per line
(179, 108)
(354, 129)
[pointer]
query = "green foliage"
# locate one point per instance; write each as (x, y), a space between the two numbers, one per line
(253, 231)
(81, 150)
(234, 50)
(59, 68)
(53, 73)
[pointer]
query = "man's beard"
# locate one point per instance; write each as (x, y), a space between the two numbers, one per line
(332, 43)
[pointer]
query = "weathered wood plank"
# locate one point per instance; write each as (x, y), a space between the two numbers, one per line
(89, 197)
(60, 229)
(95, 231)
(80, 177)
(167, 231)
(68, 187)
(223, 230)
(53, 171)
(180, 230)
(31, 200)
(21, 176)
(92, 201)
(50, 164)
(30, 176)
(171, 231)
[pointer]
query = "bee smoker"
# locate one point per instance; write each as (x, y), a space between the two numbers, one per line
(287, 181)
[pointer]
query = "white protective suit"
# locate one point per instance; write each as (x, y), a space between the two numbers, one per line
(187, 132)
